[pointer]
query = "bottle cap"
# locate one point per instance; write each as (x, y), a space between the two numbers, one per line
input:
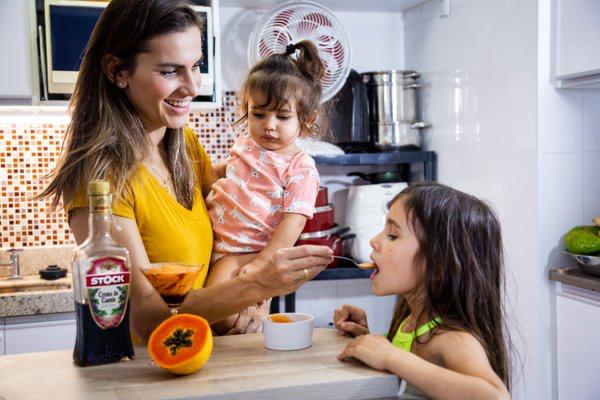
(98, 187)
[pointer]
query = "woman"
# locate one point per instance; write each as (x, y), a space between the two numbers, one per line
(131, 101)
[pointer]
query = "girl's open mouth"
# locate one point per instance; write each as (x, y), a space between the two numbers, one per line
(375, 272)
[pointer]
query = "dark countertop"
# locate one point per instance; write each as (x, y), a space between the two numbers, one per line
(575, 277)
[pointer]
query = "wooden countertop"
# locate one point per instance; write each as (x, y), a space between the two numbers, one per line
(240, 368)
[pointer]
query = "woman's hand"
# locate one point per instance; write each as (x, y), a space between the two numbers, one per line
(373, 350)
(350, 320)
(289, 268)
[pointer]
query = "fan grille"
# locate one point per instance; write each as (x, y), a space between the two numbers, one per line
(292, 22)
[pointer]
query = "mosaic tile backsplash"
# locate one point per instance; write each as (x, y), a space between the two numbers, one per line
(30, 149)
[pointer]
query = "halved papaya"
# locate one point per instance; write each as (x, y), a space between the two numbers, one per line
(181, 344)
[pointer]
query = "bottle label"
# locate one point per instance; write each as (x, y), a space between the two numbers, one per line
(107, 286)
(100, 203)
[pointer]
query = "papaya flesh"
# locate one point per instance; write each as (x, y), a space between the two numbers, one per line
(583, 240)
(181, 344)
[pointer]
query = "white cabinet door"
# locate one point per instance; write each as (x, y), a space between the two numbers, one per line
(575, 37)
(39, 333)
(578, 355)
(15, 43)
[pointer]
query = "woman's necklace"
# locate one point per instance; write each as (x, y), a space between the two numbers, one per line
(163, 182)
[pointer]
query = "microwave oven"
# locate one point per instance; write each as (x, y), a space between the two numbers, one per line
(65, 26)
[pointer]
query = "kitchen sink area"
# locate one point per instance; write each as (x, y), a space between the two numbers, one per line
(32, 285)
(22, 290)
(32, 295)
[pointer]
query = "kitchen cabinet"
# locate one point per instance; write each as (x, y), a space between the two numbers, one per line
(39, 333)
(578, 347)
(15, 42)
(575, 37)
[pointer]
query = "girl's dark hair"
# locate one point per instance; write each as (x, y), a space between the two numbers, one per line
(106, 138)
(280, 76)
(460, 260)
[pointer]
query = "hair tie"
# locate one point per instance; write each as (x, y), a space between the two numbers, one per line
(290, 49)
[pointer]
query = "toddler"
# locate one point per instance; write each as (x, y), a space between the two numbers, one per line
(441, 253)
(268, 186)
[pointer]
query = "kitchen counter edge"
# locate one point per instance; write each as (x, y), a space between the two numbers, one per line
(575, 277)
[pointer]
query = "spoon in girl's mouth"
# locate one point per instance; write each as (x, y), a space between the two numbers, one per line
(364, 265)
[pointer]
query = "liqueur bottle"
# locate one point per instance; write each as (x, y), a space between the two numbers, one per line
(101, 279)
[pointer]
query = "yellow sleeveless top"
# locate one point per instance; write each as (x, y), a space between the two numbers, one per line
(169, 231)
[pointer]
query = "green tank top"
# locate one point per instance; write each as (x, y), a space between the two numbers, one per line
(404, 340)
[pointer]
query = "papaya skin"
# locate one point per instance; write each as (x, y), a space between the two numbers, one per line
(157, 349)
(584, 240)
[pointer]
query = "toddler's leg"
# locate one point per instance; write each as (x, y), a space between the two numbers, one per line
(224, 269)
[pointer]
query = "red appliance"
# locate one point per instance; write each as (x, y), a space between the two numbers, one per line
(323, 219)
(321, 197)
(332, 238)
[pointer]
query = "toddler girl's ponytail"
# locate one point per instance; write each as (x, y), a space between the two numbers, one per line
(308, 61)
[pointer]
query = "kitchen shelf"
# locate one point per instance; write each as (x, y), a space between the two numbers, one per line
(388, 157)
(427, 158)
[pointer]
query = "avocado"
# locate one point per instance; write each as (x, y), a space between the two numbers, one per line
(583, 240)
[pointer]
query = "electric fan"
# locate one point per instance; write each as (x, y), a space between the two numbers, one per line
(295, 21)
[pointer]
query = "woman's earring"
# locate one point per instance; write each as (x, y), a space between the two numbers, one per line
(122, 85)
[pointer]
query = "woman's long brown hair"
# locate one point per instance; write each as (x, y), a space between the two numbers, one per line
(105, 137)
(461, 265)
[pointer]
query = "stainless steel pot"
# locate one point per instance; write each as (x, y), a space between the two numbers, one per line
(393, 108)
(398, 134)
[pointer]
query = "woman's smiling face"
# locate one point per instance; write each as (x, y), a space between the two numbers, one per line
(165, 79)
(394, 251)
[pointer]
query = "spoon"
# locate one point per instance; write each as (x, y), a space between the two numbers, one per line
(364, 265)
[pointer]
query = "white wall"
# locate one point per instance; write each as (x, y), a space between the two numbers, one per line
(569, 190)
(480, 67)
(376, 41)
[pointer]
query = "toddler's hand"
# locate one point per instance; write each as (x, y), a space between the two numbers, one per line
(350, 320)
(373, 350)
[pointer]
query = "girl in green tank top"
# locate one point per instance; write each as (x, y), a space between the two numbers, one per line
(440, 252)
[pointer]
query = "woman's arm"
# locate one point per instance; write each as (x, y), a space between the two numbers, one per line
(282, 274)
(286, 235)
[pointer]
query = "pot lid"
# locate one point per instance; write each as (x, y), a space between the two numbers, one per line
(393, 75)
